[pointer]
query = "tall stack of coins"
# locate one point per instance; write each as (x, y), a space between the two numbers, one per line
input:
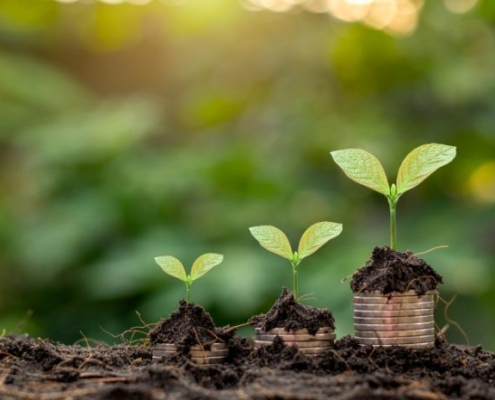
(395, 319)
(216, 354)
(307, 343)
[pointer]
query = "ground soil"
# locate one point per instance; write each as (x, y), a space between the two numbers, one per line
(392, 271)
(39, 369)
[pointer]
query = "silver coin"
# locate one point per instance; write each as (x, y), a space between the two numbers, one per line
(283, 331)
(391, 334)
(393, 313)
(314, 350)
(393, 320)
(396, 341)
(396, 306)
(424, 345)
(206, 353)
(213, 346)
(315, 343)
(392, 327)
(298, 338)
(208, 360)
(392, 300)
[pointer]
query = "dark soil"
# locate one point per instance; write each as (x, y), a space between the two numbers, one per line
(189, 325)
(36, 369)
(291, 315)
(392, 271)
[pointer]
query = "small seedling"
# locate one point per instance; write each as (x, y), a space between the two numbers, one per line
(172, 266)
(365, 169)
(274, 240)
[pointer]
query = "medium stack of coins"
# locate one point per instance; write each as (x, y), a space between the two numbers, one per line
(395, 319)
(307, 343)
(216, 354)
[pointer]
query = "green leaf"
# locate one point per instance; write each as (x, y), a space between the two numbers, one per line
(420, 163)
(316, 236)
(272, 239)
(204, 263)
(172, 266)
(363, 168)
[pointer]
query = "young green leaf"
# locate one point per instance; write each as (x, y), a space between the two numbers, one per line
(316, 236)
(172, 266)
(363, 168)
(421, 163)
(204, 263)
(272, 239)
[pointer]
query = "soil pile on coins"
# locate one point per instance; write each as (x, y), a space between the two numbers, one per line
(189, 325)
(392, 271)
(291, 315)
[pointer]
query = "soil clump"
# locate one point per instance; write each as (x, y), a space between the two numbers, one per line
(392, 271)
(287, 313)
(190, 325)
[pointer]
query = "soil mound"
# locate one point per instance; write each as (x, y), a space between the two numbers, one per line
(189, 325)
(291, 315)
(392, 271)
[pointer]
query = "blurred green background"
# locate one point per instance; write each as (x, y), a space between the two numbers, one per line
(135, 129)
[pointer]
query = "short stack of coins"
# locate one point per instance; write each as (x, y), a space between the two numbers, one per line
(395, 319)
(307, 343)
(215, 355)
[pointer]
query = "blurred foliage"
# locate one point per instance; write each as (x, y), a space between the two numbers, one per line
(129, 132)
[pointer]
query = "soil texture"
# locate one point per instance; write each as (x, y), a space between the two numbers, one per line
(291, 315)
(189, 325)
(36, 369)
(392, 271)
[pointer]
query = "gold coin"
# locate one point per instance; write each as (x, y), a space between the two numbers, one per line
(393, 327)
(397, 341)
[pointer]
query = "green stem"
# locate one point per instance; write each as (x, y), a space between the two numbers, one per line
(393, 223)
(295, 281)
(188, 292)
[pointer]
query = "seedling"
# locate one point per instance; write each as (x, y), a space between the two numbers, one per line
(274, 240)
(172, 266)
(365, 169)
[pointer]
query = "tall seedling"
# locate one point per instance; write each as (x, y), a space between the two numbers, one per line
(173, 267)
(274, 240)
(365, 169)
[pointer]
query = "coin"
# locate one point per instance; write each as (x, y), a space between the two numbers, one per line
(315, 343)
(396, 306)
(395, 294)
(392, 327)
(392, 300)
(393, 320)
(208, 360)
(393, 313)
(314, 350)
(409, 345)
(298, 338)
(396, 341)
(283, 331)
(392, 334)
(208, 353)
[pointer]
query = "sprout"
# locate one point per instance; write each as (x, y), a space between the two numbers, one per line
(274, 240)
(172, 266)
(365, 169)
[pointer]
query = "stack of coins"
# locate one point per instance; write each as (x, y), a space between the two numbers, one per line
(395, 319)
(307, 343)
(216, 354)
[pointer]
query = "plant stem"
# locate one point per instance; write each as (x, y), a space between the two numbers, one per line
(393, 223)
(188, 292)
(295, 280)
